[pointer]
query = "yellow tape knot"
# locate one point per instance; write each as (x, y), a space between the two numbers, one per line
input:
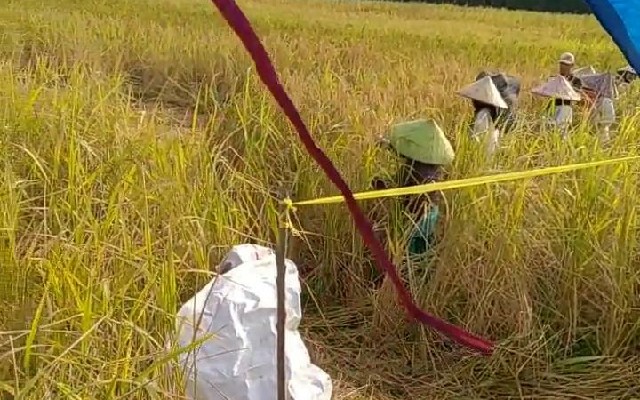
(288, 203)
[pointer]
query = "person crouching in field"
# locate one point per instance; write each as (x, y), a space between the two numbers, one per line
(563, 98)
(487, 103)
(424, 151)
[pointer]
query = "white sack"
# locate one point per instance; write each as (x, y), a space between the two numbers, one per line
(238, 309)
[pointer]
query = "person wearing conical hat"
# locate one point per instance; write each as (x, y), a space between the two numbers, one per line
(605, 93)
(626, 75)
(588, 95)
(487, 102)
(564, 96)
(424, 151)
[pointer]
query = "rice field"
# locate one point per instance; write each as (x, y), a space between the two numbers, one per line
(138, 144)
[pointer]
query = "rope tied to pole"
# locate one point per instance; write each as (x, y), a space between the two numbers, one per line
(265, 69)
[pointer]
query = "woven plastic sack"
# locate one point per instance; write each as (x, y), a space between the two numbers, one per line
(229, 329)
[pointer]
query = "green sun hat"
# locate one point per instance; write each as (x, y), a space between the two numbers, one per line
(423, 141)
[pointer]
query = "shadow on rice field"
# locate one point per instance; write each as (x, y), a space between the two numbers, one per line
(138, 145)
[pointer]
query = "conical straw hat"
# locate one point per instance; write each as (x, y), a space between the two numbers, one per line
(580, 72)
(558, 88)
(423, 141)
(484, 90)
(628, 69)
(603, 84)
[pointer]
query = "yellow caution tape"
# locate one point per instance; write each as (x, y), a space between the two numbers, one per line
(464, 183)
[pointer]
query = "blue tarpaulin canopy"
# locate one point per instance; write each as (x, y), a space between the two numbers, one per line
(621, 19)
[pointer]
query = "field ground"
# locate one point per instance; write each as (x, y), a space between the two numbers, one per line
(137, 145)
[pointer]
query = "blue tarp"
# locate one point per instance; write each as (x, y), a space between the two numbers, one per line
(621, 19)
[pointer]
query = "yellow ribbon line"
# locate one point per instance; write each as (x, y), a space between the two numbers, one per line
(464, 183)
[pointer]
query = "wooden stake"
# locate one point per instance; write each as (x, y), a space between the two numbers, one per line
(280, 311)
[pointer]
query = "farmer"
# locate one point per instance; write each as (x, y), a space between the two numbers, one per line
(626, 75)
(605, 92)
(564, 96)
(487, 102)
(423, 151)
(566, 63)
